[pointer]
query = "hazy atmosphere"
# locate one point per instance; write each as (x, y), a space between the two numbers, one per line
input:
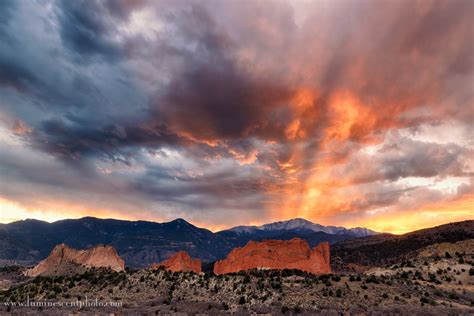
(230, 113)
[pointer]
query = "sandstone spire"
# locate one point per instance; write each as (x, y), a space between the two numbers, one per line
(180, 261)
(277, 254)
(97, 257)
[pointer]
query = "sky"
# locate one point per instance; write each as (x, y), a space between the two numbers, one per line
(225, 113)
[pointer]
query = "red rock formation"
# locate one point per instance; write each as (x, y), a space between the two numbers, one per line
(180, 261)
(99, 256)
(277, 254)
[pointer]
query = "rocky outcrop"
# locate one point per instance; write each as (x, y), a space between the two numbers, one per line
(5, 285)
(63, 257)
(180, 261)
(277, 254)
(465, 247)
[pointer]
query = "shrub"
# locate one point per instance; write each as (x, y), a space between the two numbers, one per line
(57, 289)
(372, 279)
(432, 277)
(453, 296)
(246, 279)
(284, 309)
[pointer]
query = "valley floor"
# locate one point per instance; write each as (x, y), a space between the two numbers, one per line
(439, 287)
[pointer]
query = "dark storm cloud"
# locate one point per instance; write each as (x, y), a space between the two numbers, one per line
(243, 105)
(12, 74)
(212, 96)
(39, 69)
(78, 140)
(15, 76)
(84, 29)
(222, 188)
(240, 106)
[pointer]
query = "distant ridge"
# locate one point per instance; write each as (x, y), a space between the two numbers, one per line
(303, 224)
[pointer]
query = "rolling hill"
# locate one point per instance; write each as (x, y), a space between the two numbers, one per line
(387, 248)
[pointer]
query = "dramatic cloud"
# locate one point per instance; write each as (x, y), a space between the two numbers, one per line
(234, 112)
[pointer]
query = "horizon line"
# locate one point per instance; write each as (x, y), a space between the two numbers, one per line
(212, 230)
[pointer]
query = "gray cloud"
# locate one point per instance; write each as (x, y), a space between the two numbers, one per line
(409, 158)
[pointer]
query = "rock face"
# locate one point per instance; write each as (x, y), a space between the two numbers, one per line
(63, 256)
(277, 254)
(180, 261)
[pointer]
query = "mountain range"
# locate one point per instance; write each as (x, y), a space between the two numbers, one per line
(141, 243)
(300, 224)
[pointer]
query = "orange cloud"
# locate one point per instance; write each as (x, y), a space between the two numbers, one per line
(350, 119)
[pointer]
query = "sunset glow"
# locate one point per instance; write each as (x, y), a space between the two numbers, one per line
(229, 113)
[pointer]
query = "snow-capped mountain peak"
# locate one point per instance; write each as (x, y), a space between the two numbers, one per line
(296, 223)
(299, 224)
